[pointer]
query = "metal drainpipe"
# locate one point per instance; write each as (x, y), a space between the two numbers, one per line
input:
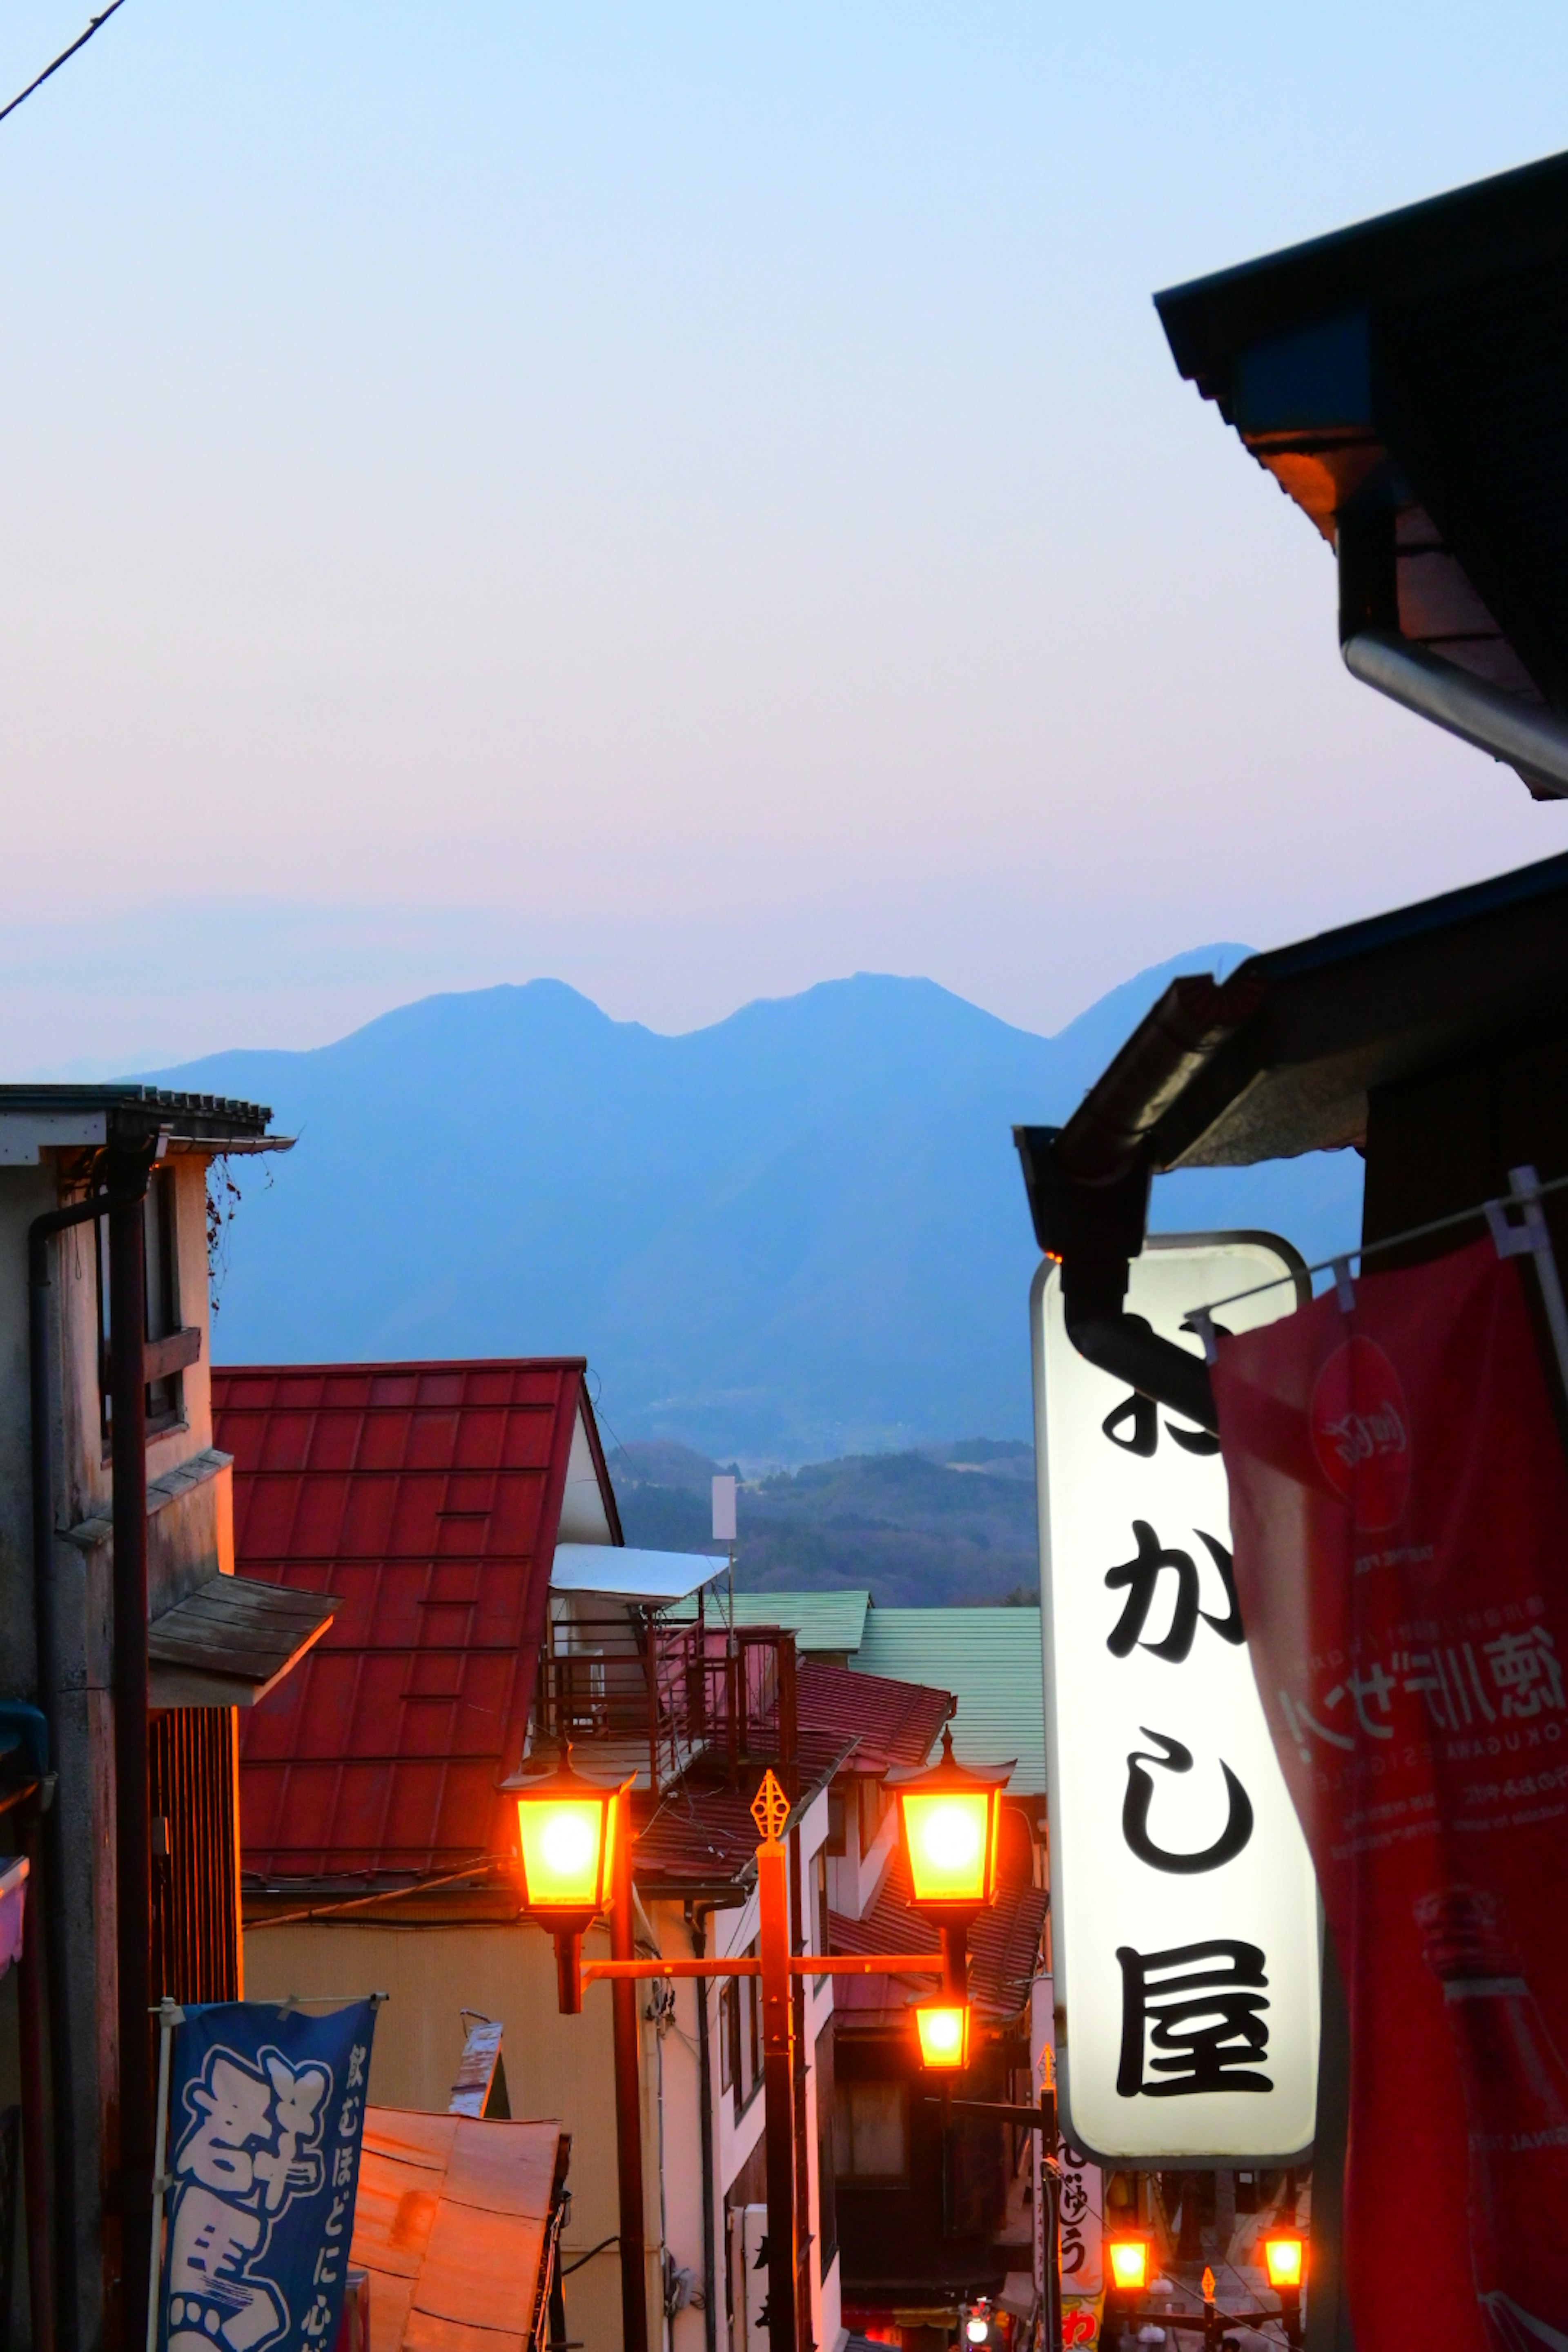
(132, 1841)
(45, 1618)
(696, 1916)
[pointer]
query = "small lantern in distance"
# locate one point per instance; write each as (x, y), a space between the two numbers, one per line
(943, 2025)
(1128, 2257)
(1285, 2260)
(566, 1840)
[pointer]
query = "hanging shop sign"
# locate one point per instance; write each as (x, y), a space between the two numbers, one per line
(1185, 1914)
(265, 2118)
(1401, 1525)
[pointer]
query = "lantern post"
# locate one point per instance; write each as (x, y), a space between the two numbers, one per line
(575, 1842)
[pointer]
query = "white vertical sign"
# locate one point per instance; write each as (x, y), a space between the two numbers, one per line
(1185, 1914)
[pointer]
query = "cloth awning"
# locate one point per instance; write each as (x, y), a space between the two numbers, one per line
(653, 1577)
(453, 2222)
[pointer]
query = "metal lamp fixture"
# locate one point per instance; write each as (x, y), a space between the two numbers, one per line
(952, 1822)
(566, 1843)
(943, 2025)
(1128, 2261)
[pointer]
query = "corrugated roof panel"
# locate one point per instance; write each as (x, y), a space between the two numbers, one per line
(824, 1623)
(427, 1498)
(990, 1660)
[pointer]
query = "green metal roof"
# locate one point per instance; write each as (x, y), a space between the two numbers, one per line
(990, 1660)
(825, 1624)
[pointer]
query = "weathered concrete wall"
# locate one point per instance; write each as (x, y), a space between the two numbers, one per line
(555, 2067)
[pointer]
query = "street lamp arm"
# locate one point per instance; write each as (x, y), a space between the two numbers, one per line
(802, 1964)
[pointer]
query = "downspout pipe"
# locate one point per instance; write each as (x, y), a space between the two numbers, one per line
(45, 1618)
(1094, 1231)
(129, 1161)
(696, 1917)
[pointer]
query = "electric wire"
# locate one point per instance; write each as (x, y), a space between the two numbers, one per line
(81, 42)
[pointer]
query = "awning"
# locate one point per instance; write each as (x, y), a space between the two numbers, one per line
(227, 1643)
(454, 2222)
(653, 1577)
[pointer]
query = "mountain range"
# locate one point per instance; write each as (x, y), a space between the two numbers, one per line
(796, 1232)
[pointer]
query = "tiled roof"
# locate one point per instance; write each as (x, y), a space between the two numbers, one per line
(891, 1723)
(703, 1835)
(426, 1497)
(990, 1658)
(1004, 1945)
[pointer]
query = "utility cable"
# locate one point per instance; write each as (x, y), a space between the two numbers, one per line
(81, 42)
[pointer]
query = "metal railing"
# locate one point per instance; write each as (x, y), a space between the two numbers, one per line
(673, 1690)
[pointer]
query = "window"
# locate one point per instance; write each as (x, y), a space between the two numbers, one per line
(822, 1942)
(741, 2021)
(161, 1270)
(874, 1801)
(871, 2131)
(827, 2109)
(837, 1826)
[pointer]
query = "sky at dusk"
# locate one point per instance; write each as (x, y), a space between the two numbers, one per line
(691, 500)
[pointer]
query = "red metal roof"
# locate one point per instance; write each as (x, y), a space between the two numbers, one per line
(891, 1723)
(1004, 1944)
(703, 1836)
(428, 1497)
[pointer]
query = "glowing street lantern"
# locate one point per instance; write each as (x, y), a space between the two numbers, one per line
(977, 2327)
(1285, 2257)
(943, 2028)
(1129, 2265)
(566, 1842)
(952, 1819)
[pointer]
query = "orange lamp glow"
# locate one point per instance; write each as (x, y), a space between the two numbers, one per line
(1285, 2257)
(951, 1820)
(566, 1837)
(1128, 2264)
(943, 2028)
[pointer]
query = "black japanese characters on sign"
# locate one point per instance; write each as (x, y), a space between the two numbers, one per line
(1141, 1576)
(1206, 2030)
(1139, 1796)
(1144, 1440)
(1193, 2020)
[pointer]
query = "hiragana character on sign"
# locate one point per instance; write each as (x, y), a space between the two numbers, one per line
(317, 2320)
(1141, 1576)
(343, 2167)
(1139, 1796)
(1377, 1686)
(1526, 1669)
(1199, 2007)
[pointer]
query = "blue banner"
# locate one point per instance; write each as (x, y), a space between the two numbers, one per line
(265, 2114)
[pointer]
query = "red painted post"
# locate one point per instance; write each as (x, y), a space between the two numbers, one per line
(772, 1810)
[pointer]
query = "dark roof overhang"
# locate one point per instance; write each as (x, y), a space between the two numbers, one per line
(1280, 1058)
(1411, 373)
(92, 1115)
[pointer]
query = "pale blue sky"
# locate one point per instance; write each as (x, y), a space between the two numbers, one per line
(691, 500)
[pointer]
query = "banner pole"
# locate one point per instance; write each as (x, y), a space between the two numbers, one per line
(169, 2014)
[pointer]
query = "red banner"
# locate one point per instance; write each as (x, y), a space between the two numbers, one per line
(1399, 1507)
